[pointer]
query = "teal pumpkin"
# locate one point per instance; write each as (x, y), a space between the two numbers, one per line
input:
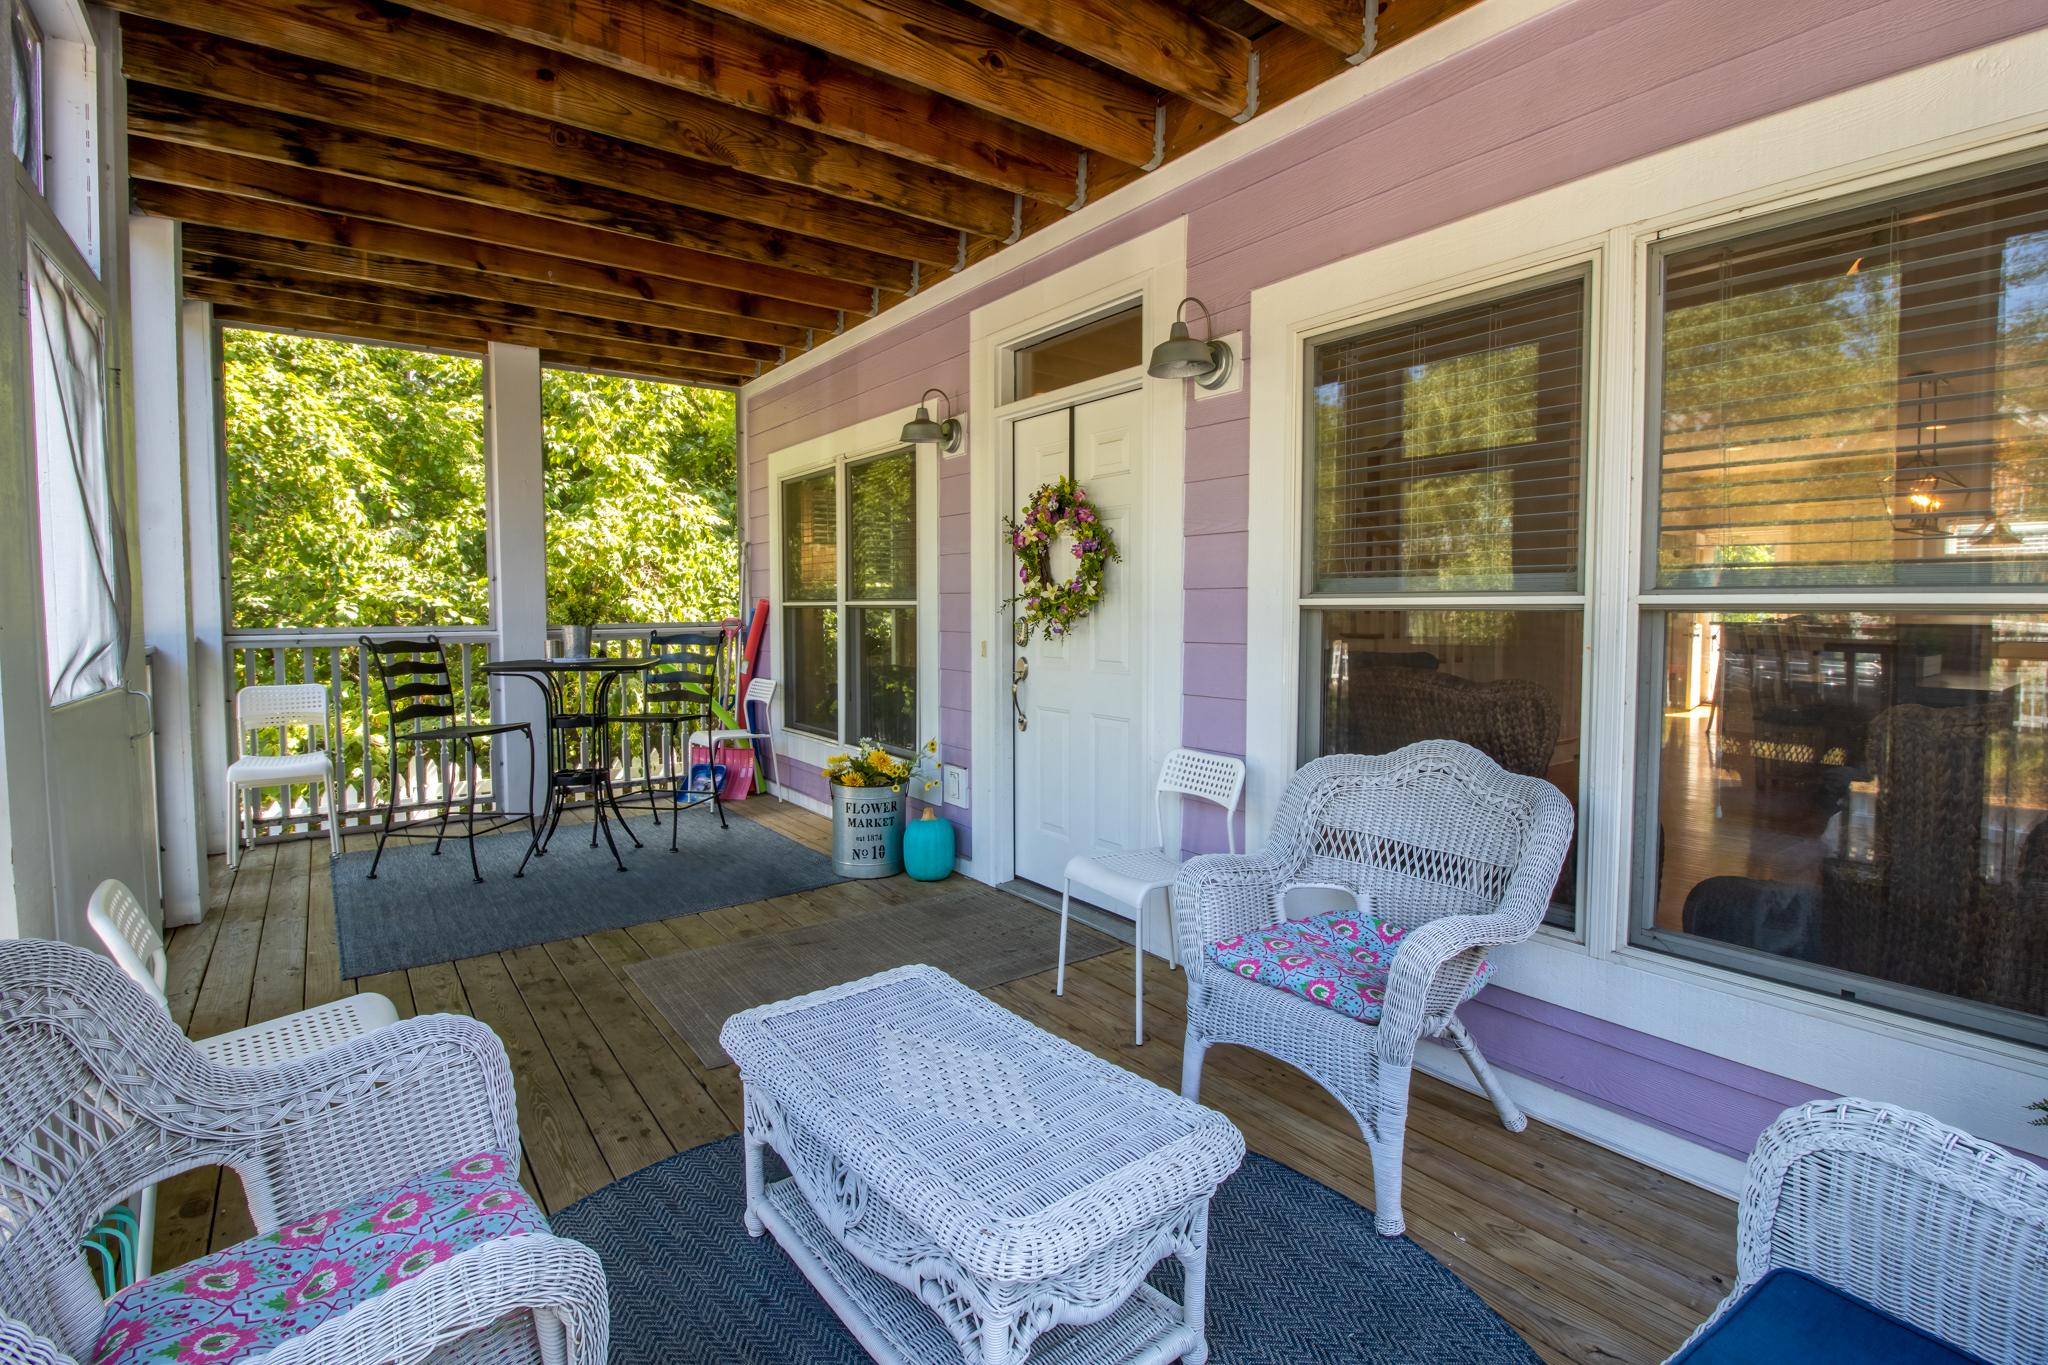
(928, 848)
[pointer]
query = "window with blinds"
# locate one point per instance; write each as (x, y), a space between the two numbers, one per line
(1447, 449)
(1861, 398)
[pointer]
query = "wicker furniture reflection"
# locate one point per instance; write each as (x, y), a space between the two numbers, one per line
(1436, 838)
(1911, 1216)
(105, 1096)
(1513, 721)
(962, 1182)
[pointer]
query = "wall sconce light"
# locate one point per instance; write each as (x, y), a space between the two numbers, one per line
(922, 430)
(1180, 356)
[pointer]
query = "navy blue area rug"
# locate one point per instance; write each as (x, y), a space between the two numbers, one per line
(423, 909)
(1297, 1276)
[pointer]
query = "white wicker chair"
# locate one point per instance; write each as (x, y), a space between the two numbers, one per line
(105, 1095)
(1911, 1216)
(1440, 840)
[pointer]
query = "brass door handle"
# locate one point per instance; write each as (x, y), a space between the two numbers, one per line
(1019, 671)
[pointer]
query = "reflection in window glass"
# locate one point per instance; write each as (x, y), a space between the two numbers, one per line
(812, 676)
(883, 702)
(1446, 450)
(1861, 399)
(1089, 351)
(25, 56)
(1506, 682)
(881, 539)
(1855, 801)
(810, 538)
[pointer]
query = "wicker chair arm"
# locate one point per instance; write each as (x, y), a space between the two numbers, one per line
(1220, 894)
(20, 1346)
(383, 1108)
(559, 1280)
(1432, 967)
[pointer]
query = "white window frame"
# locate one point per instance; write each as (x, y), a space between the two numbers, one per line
(1964, 111)
(850, 446)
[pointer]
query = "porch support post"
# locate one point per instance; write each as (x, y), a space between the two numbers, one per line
(206, 540)
(156, 382)
(515, 521)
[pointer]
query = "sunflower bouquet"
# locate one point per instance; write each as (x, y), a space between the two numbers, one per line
(871, 765)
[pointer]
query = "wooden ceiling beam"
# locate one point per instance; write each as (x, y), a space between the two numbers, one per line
(715, 56)
(282, 304)
(755, 316)
(1154, 40)
(405, 46)
(961, 54)
(174, 118)
(229, 270)
(324, 99)
(203, 169)
(1345, 25)
(305, 259)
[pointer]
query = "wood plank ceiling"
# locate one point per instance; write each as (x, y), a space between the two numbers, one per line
(692, 189)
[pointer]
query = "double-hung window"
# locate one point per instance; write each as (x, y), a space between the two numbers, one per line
(1844, 763)
(849, 599)
(1441, 592)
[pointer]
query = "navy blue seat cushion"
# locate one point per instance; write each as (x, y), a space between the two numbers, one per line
(1789, 1316)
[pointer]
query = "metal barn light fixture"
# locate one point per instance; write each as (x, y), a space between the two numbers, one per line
(1180, 356)
(922, 430)
(1922, 493)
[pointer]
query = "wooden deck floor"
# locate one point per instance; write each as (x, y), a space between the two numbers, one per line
(1590, 1256)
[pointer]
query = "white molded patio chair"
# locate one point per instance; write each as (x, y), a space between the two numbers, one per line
(761, 690)
(105, 1096)
(1915, 1218)
(1129, 881)
(280, 707)
(124, 928)
(1446, 853)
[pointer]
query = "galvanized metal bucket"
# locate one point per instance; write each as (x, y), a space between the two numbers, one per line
(867, 830)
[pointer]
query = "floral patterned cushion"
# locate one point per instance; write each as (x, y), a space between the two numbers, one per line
(1339, 959)
(245, 1300)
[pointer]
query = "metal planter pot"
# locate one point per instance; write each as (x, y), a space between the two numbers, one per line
(575, 642)
(867, 830)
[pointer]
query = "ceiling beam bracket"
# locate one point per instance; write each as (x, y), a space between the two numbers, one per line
(875, 301)
(1080, 184)
(839, 326)
(1016, 222)
(1158, 138)
(1371, 35)
(916, 278)
(960, 264)
(1251, 89)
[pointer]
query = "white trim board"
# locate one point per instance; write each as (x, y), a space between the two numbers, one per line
(1439, 42)
(1151, 268)
(1948, 115)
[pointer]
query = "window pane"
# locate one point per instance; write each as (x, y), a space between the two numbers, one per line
(25, 55)
(355, 484)
(1861, 398)
(84, 568)
(810, 538)
(1104, 346)
(1447, 450)
(1504, 681)
(812, 678)
(1852, 799)
(883, 697)
(639, 484)
(881, 500)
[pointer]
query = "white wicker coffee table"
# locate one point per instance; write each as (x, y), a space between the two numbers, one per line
(966, 1186)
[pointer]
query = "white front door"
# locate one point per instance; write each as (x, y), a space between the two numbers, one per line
(1083, 780)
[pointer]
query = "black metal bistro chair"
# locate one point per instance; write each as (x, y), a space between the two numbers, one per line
(419, 694)
(681, 679)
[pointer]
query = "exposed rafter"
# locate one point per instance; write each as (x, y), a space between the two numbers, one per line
(404, 46)
(1155, 41)
(1345, 25)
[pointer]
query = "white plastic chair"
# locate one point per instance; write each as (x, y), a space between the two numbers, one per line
(280, 707)
(1129, 881)
(761, 690)
(124, 928)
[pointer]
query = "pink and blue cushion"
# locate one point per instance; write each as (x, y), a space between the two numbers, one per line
(245, 1300)
(1340, 960)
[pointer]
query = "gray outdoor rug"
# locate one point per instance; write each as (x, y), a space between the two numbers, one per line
(423, 909)
(981, 937)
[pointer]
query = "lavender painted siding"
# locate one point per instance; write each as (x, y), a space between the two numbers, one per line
(1583, 88)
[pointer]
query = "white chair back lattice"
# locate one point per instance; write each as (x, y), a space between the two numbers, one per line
(1215, 778)
(124, 928)
(282, 707)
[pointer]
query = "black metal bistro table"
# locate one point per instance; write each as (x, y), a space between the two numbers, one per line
(568, 774)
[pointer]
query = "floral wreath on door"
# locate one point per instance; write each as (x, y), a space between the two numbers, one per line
(1059, 511)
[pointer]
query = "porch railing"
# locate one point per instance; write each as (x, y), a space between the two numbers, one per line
(336, 660)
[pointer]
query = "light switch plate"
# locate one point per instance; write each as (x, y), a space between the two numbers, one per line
(953, 785)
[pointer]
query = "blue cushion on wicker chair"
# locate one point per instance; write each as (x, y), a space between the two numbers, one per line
(1790, 1316)
(1340, 960)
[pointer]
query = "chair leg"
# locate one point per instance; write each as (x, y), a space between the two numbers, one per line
(469, 808)
(1511, 1116)
(234, 809)
(1386, 1180)
(1191, 1065)
(1059, 976)
(390, 813)
(333, 818)
(1138, 991)
(446, 807)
